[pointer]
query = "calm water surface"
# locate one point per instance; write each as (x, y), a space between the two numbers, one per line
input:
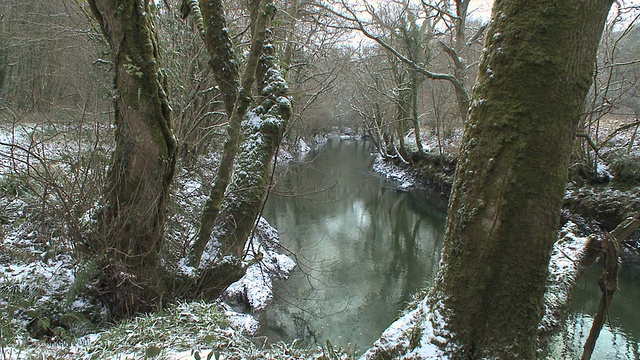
(364, 248)
(620, 337)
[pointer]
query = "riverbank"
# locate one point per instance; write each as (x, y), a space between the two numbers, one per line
(42, 278)
(45, 316)
(593, 205)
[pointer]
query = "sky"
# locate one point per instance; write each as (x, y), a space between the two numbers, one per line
(480, 9)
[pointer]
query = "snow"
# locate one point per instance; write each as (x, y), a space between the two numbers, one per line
(255, 288)
(42, 269)
(564, 268)
(401, 178)
(186, 269)
(244, 323)
(398, 336)
(303, 147)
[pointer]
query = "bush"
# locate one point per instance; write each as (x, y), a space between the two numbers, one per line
(12, 185)
(626, 169)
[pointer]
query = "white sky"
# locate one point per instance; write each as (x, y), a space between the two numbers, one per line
(480, 9)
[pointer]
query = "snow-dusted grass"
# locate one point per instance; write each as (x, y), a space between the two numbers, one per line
(36, 288)
(179, 332)
(40, 278)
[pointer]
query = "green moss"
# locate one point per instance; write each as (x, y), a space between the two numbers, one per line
(626, 170)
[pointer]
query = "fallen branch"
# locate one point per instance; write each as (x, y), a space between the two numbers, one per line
(609, 280)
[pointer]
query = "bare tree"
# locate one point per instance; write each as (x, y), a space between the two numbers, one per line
(436, 13)
(612, 107)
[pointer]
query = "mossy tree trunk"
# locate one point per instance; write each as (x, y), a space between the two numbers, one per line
(253, 137)
(3, 72)
(238, 96)
(131, 222)
(505, 205)
(263, 128)
(226, 70)
(220, 49)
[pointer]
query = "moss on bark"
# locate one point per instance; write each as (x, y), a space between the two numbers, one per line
(131, 222)
(263, 128)
(217, 39)
(509, 185)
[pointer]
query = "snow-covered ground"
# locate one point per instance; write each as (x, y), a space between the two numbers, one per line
(38, 272)
(37, 275)
(402, 179)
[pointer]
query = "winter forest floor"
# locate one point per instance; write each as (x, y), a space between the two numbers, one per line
(46, 316)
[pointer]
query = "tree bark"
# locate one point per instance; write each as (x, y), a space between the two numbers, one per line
(225, 67)
(505, 205)
(263, 128)
(231, 211)
(244, 94)
(131, 222)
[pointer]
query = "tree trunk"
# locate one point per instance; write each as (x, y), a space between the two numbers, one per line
(225, 68)
(510, 181)
(263, 128)
(232, 216)
(131, 222)
(608, 281)
(416, 81)
(212, 206)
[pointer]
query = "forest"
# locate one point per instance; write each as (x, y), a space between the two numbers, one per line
(161, 163)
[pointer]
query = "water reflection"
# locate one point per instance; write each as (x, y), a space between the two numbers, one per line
(363, 248)
(619, 338)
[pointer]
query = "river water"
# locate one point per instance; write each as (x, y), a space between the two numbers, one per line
(363, 248)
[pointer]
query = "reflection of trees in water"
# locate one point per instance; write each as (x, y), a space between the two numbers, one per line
(362, 248)
(413, 240)
(620, 342)
(616, 344)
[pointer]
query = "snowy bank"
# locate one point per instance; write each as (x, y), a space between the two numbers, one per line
(570, 254)
(398, 176)
(420, 332)
(254, 290)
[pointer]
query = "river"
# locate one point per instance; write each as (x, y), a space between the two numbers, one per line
(363, 248)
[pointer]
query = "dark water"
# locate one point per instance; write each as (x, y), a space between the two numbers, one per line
(620, 337)
(364, 248)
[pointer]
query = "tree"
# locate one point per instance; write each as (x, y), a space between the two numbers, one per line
(614, 95)
(131, 220)
(44, 57)
(255, 129)
(509, 184)
(505, 205)
(436, 16)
